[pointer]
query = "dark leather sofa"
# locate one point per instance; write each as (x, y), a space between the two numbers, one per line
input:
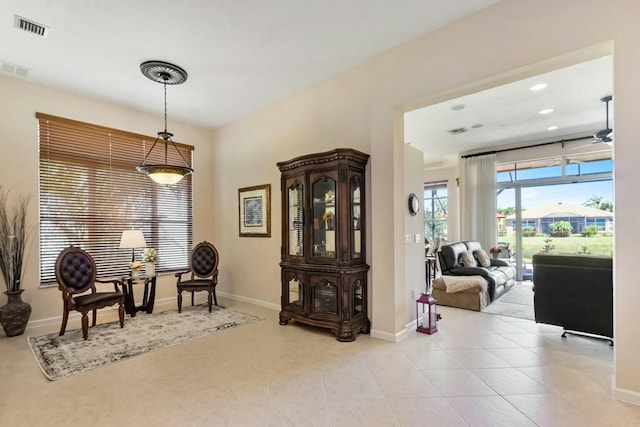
(575, 292)
(500, 275)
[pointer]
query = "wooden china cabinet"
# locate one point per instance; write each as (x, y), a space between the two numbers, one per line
(324, 270)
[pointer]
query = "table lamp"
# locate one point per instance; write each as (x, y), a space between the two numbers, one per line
(132, 239)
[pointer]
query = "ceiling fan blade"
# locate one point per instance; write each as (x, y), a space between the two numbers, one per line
(605, 141)
(605, 135)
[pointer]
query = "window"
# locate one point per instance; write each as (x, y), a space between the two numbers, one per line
(90, 192)
(601, 223)
(435, 211)
(588, 164)
(531, 169)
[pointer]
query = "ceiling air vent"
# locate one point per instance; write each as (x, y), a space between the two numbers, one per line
(457, 131)
(30, 26)
(17, 70)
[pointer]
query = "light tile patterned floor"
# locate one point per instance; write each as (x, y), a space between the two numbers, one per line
(478, 370)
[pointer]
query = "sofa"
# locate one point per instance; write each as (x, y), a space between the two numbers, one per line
(575, 292)
(491, 280)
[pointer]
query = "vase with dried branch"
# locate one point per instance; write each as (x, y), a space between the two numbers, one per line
(13, 239)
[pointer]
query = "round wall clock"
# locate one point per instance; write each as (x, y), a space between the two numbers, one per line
(414, 204)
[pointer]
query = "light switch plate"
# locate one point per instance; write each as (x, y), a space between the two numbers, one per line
(416, 238)
(407, 239)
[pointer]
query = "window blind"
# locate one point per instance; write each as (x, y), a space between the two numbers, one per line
(90, 191)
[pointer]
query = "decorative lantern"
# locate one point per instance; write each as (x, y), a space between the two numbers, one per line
(426, 316)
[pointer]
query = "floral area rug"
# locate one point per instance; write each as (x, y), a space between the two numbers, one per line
(61, 356)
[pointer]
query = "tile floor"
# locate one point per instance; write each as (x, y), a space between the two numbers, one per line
(478, 370)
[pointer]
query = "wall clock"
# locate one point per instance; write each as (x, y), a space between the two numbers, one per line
(414, 204)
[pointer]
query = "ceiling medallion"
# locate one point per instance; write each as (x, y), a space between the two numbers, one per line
(167, 74)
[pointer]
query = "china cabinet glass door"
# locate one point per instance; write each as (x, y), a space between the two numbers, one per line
(324, 218)
(296, 220)
(356, 219)
(296, 292)
(325, 298)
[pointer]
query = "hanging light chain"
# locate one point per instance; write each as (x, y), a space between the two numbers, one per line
(165, 105)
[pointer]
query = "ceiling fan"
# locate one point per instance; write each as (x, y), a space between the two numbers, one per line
(604, 135)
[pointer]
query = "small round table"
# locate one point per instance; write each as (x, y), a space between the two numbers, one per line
(148, 297)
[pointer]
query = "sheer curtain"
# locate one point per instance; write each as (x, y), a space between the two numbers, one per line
(478, 200)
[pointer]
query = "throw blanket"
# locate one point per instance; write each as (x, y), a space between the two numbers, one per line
(460, 283)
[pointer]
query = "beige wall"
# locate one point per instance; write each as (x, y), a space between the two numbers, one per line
(19, 168)
(415, 270)
(246, 154)
(363, 109)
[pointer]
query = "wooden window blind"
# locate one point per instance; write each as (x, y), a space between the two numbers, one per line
(90, 191)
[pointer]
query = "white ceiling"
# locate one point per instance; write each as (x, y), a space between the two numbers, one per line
(509, 114)
(241, 55)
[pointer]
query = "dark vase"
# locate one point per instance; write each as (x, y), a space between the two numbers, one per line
(15, 314)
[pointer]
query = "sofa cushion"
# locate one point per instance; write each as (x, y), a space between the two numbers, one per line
(449, 256)
(500, 275)
(482, 257)
(467, 259)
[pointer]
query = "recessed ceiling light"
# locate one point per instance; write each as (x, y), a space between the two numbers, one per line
(538, 86)
(477, 126)
(552, 128)
(458, 107)
(546, 111)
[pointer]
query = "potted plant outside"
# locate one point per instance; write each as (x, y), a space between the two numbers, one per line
(13, 238)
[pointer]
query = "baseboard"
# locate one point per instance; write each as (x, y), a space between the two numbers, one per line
(253, 301)
(200, 297)
(624, 395)
(386, 336)
(74, 315)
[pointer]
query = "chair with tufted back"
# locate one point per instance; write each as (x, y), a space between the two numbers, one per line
(76, 274)
(204, 274)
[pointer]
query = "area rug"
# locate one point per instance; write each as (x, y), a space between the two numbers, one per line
(69, 354)
(516, 302)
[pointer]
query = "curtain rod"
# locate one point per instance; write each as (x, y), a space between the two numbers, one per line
(542, 144)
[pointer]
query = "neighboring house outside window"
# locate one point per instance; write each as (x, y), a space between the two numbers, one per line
(90, 191)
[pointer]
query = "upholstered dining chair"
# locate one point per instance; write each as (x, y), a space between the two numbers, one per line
(204, 274)
(76, 275)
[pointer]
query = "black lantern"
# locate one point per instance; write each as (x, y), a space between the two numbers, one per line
(426, 316)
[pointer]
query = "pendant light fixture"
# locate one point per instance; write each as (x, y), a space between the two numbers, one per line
(167, 74)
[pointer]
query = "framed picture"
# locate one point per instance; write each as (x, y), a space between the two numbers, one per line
(254, 209)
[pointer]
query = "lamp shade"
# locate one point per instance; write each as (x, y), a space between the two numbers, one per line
(165, 174)
(132, 239)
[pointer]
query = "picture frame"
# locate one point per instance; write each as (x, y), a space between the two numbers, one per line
(254, 211)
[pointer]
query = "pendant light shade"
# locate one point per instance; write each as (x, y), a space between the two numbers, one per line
(165, 174)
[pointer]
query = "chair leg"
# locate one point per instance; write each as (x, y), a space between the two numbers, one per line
(215, 299)
(85, 325)
(179, 301)
(210, 299)
(95, 314)
(121, 314)
(192, 298)
(65, 317)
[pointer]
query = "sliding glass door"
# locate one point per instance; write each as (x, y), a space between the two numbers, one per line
(560, 205)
